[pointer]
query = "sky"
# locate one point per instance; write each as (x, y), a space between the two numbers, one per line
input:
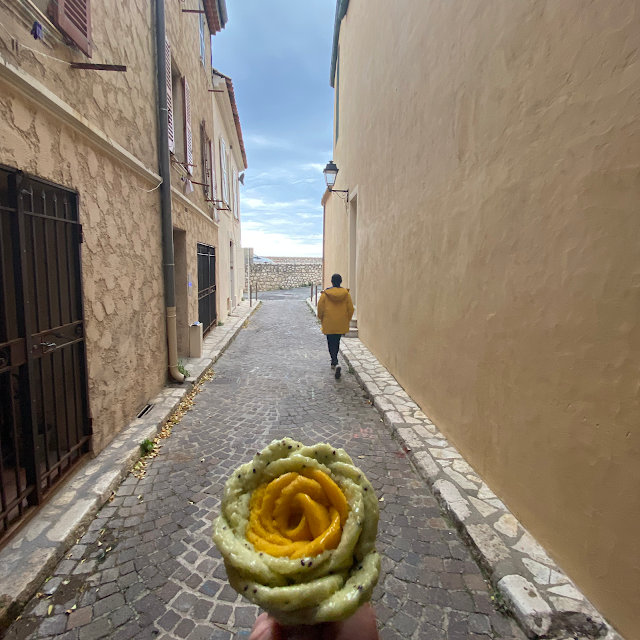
(278, 53)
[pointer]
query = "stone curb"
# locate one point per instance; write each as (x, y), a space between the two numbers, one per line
(31, 556)
(553, 607)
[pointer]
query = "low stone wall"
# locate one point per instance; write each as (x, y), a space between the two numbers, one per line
(286, 273)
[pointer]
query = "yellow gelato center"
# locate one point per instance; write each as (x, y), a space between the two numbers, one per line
(298, 515)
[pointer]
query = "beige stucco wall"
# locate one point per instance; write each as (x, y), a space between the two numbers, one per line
(336, 238)
(120, 104)
(121, 258)
(496, 151)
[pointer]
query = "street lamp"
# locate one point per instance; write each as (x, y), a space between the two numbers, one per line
(330, 175)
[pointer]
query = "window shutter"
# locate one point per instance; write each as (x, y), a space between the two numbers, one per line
(212, 164)
(223, 168)
(188, 136)
(234, 192)
(237, 204)
(204, 151)
(203, 46)
(73, 18)
(171, 134)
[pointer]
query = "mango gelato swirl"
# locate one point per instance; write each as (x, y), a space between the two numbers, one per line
(297, 533)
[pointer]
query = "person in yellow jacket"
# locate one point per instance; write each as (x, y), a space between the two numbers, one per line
(335, 309)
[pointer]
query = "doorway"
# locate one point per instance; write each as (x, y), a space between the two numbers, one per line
(45, 428)
(232, 278)
(353, 247)
(207, 313)
(183, 290)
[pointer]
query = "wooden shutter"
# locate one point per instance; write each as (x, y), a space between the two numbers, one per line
(203, 46)
(212, 164)
(223, 169)
(171, 133)
(204, 151)
(73, 18)
(234, 192)
(188, 136)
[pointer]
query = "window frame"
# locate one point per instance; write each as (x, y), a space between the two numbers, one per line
(203, 42)
(224, 171)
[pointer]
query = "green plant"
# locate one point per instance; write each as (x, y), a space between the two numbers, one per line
(182, 370)
(146, 446)
(351, 370)
(220, 323)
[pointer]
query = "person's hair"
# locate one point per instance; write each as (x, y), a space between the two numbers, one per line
(336, 279)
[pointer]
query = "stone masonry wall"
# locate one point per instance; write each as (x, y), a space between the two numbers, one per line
(286, 273)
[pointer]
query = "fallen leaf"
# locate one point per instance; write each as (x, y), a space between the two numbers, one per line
(50, 609)
(67, 581)
(381, 499)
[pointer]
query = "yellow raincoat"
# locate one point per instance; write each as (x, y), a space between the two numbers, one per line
(335, 310)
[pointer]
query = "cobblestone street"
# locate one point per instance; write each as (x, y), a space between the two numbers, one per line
(147, 568)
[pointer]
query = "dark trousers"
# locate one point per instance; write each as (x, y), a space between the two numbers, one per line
(333, 341)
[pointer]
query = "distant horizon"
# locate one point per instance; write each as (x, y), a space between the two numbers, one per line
(285, 105)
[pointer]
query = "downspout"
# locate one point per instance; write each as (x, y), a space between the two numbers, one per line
(165, 196)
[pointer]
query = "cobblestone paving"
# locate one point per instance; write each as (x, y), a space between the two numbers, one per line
(146, 568)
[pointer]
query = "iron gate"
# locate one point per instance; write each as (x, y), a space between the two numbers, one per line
(207, 287)
(44, 414)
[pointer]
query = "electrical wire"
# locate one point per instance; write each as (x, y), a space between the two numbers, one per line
(149, 190)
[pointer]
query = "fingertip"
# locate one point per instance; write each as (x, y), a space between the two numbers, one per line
(265, 628)
(360, 626)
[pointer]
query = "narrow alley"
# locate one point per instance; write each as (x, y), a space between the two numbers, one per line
(147, 568)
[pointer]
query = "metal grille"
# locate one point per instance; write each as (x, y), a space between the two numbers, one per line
(44, 413)
(207, 287)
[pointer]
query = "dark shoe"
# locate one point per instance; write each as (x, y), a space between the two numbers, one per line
(338, 372)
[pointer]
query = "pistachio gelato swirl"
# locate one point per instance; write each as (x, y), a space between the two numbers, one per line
(297, 532)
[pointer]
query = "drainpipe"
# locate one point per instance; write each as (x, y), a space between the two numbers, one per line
(165, 196)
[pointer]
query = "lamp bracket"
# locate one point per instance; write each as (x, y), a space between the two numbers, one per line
(339, 191)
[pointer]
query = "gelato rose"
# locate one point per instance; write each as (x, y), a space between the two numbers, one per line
(297, 532)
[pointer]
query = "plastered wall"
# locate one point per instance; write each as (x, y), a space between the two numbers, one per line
(496, 151)
(335, 241)
(120, 104)
(121, 259)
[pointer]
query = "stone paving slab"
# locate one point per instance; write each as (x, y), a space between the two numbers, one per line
(541, 596)
(31, 556)
(147, 568)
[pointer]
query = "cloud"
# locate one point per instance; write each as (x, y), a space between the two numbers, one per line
(315, 166)
(279, 244)
(286, 109)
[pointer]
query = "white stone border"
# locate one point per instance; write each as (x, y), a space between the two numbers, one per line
(28, 559)
(538, 593)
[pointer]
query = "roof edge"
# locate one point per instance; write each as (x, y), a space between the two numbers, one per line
(341, 12)
(222, 10)
(216, 12)
(236, 115)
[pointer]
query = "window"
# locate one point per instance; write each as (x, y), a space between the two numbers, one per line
(177, 92)
(179, 111)
(208, 168)
(188, 135)
(223, 171)
(206, 161)
(73, 18)
(169, 79)
(235, 194)
(203, 46)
